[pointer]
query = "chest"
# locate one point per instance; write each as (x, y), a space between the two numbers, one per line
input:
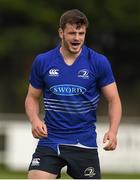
(80, 74)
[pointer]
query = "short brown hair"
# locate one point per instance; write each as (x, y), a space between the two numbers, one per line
(73, 16)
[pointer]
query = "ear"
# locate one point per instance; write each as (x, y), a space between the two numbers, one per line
(60, 31)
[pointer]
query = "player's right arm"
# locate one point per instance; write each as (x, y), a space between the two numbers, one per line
(39, 128)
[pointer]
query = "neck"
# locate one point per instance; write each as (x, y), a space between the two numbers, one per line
(69, 57)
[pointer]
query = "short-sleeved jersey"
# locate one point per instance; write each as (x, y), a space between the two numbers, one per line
(71, 94)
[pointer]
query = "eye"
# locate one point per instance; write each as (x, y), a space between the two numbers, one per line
(81, 33)
(72, 33)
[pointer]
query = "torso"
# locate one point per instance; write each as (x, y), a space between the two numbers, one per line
(71, 95)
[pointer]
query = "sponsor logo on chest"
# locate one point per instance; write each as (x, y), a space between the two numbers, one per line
(67, 90)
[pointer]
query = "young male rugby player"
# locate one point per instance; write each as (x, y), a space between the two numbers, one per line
(71, 78)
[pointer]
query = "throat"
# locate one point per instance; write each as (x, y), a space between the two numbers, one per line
(69, 58)
(69, 61)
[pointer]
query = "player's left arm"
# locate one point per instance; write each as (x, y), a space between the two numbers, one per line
(111, 94)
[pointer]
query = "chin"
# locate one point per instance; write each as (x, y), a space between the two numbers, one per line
(75, 51)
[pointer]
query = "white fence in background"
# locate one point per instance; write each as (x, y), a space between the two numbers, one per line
(19, 146)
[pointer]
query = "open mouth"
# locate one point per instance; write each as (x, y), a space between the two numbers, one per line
(75, 44)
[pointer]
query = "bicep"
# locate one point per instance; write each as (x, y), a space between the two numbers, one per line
(34, 92)
(110, 91)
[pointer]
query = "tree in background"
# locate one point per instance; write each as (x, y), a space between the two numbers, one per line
(30, 27)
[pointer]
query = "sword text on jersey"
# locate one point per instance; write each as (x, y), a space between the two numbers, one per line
(67, 90)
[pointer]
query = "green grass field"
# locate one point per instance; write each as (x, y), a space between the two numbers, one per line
(7, 174)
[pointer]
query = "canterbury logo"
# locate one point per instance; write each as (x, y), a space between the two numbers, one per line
(54, 72)
(35, 162)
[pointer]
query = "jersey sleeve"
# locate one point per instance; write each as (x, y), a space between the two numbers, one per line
(105, 74)
(35, 78)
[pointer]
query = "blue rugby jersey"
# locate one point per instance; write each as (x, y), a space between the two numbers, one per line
(71, 94)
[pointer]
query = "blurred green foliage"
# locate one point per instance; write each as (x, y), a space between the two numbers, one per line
(30, 27)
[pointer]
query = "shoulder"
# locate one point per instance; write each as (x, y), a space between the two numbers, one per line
(96, 57)
(46, 56)
(99, 63)
(43, 60)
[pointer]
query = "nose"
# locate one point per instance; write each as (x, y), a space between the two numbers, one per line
(76, 37)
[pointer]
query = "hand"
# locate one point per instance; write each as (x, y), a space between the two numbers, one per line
(39, 129)
(111, 141)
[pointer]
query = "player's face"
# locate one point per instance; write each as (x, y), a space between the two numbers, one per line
(72, 38)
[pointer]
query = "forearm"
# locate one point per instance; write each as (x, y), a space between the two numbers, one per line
(32, 108)
(114, 113)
